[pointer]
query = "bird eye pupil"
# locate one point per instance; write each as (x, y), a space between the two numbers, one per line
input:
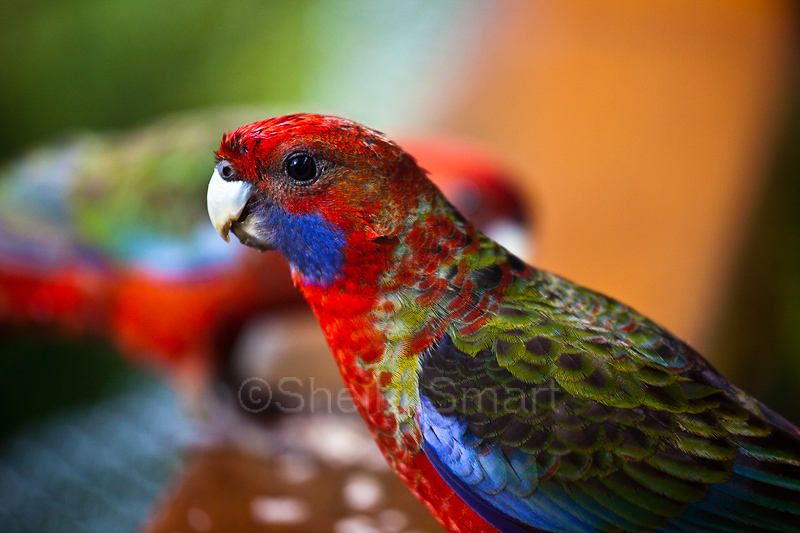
(301, 168)
(227, 172)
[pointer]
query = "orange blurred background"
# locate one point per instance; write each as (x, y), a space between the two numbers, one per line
(644, 132)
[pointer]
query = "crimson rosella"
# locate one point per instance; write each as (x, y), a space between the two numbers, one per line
(83, 252)
(505, 397)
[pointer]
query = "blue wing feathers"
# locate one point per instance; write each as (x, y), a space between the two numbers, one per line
(500, 512)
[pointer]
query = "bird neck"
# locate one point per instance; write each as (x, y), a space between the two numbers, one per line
(399, 296)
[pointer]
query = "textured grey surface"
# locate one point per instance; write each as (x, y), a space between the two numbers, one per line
(98, 468)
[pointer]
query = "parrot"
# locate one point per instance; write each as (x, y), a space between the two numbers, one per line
(83, 254)
(505, 397)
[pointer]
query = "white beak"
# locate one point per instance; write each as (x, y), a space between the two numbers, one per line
(226, 201)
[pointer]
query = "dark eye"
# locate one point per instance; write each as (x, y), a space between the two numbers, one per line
(301, 168)
(225, 170)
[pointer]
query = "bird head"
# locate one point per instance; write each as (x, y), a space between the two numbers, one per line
(323, 191)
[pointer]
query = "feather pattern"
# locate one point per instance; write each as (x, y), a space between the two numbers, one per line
(505, 397)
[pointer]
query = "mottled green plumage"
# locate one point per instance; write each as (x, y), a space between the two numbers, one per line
(607, 408)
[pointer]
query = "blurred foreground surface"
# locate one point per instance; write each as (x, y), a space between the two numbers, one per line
(94, 469)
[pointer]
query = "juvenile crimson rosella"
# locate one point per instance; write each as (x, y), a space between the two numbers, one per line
(505, 397)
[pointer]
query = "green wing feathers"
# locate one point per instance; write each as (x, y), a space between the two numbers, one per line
(615, 414)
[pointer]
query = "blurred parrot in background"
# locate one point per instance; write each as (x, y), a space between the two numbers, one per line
(85, 251)
(505, 397)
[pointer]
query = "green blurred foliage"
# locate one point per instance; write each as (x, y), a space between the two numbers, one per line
(86, 64)
(83, 64)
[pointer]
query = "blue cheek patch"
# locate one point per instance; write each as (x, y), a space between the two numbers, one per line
(310, 243)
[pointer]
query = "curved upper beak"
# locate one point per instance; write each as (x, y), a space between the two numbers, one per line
(226, 201)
